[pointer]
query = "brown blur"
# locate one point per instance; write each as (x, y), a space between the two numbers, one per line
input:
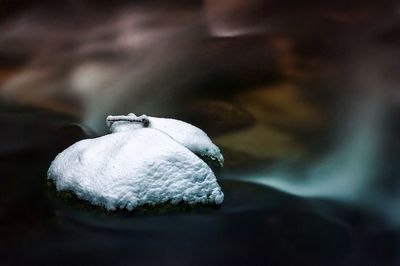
(283, 64)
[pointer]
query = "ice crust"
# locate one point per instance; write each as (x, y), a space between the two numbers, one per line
(129, 168)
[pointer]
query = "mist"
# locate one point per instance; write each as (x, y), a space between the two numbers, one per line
(354, 170)
(301, 97)
(158, 60)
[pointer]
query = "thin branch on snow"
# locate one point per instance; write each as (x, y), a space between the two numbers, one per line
(135, 119)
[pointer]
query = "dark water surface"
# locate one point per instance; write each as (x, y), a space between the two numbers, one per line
(255, 225)
(299, 95)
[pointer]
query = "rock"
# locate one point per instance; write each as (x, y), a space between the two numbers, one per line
(135, 167)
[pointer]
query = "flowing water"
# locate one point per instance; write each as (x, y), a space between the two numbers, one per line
(302, 98)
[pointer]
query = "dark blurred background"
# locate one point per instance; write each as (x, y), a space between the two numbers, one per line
(302, 97)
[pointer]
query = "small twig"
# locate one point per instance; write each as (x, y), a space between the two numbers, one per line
(128, 118)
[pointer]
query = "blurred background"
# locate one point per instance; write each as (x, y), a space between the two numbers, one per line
(301, 96)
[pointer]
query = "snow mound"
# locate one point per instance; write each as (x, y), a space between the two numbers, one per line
(188, 135)
(132, 168)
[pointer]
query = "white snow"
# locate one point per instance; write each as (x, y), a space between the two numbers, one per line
(188, 135)
(130, 168)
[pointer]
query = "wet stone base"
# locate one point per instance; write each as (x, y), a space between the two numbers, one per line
(68, 200)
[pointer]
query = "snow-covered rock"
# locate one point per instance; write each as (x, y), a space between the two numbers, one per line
(188, 135)
(129, 168)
